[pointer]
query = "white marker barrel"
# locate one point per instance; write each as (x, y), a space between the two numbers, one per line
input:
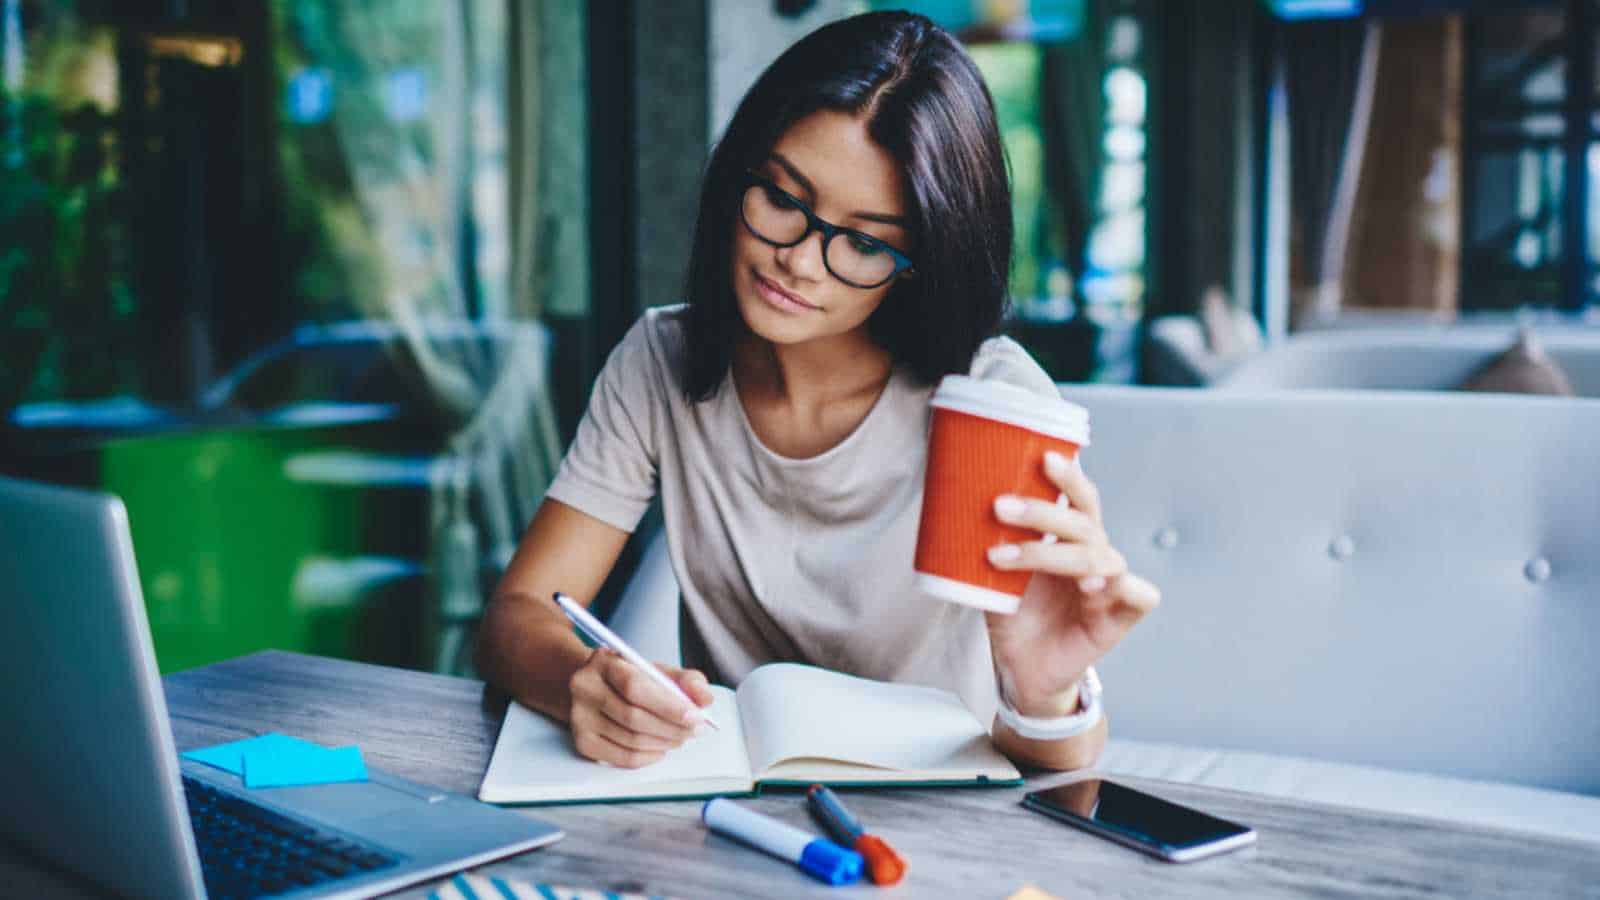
(818, 857)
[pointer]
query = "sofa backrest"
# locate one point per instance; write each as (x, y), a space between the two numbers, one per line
(1417, 358)
(1401, 579)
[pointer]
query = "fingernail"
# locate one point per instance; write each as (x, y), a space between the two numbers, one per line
(1003, 553)
(1009, 508)
(1055, 463)
(1092, 583)
(691, 716)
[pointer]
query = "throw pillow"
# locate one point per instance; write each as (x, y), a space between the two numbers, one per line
(1523, 369)
(1229, 332)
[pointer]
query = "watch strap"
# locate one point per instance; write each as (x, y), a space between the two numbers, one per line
(1090, 711)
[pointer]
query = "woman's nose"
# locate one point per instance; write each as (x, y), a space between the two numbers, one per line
(804, 260)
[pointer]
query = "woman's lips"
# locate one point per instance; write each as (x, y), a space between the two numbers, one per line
(780, 298)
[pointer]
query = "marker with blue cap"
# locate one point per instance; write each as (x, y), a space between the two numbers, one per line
(884, 866)
(820, 858)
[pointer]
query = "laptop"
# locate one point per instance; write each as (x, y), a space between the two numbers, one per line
(91, 781)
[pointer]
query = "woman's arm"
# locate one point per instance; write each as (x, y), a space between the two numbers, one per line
(1079, 752)
(526, 647)
(1080, 603)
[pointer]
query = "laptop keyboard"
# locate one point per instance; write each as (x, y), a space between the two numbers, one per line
(249, 851)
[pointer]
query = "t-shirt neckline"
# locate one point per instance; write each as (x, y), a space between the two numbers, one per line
(731, 389)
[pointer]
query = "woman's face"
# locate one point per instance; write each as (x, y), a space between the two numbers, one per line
(828, 162)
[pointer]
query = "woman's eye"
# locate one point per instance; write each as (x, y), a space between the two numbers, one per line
(865, 246)
(780, 199)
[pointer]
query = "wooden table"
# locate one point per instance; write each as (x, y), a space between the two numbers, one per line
(967, 843)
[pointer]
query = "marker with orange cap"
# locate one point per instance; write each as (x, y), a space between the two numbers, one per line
(884, 866)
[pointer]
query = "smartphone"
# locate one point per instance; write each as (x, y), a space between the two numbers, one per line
(1161, 828)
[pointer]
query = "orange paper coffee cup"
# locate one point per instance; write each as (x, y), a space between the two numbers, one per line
(988, 438)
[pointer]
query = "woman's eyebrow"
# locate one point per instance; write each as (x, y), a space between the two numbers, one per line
(809, 188)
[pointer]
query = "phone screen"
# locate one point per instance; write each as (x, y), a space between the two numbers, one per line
(1134, 815)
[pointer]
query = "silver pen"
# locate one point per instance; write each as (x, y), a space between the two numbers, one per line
(596, 631)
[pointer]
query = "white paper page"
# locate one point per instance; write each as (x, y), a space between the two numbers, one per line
(793, 711)
(534, 761)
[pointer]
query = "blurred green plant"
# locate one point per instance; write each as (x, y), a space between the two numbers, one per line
(66, 300)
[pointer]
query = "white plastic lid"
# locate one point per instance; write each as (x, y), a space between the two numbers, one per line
(1015, 406)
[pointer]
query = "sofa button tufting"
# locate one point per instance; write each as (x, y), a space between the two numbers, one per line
(1342, 548)
(1166, 538)
(1537, 569)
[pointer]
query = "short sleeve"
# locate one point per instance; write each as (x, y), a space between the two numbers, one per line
(1003, 359)
(610, 471)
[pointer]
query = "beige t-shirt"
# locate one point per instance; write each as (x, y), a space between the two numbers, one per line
(782, 559)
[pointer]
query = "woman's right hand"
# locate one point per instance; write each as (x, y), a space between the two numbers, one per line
(621, 718)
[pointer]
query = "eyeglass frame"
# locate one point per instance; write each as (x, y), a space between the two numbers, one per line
(902, 263)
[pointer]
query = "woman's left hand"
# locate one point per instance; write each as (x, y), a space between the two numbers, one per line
(1080, 602)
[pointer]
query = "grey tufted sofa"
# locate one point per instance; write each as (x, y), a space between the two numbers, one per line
(1381, 598)
(1419, 357)
(1376, 598)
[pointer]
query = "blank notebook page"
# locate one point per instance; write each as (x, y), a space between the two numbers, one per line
(794, 711)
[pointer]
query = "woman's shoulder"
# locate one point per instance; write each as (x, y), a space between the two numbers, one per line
(660, 327)
(670, 319)
(654, 344)
(1003, 359)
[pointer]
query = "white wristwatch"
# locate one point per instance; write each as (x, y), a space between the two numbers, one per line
(1033, 728)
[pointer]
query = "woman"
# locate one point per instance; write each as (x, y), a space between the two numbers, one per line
(852, 247)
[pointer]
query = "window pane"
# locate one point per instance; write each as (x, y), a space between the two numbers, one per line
(1520, 58)
(1513, 252)
(1012, 73)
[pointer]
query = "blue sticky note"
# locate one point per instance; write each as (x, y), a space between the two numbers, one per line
(229, 757)
(289, 766)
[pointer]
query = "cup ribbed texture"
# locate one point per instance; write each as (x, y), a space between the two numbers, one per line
(971, 461)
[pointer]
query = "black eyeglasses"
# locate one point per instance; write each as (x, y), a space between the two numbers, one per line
(779, 218)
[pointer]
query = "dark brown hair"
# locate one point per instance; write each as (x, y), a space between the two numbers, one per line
(926, 104)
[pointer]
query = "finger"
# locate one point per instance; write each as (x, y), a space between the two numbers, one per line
(637, 703)
(590, 691)
(603, 750)
(639, 720)
(586, 683)
(1058, 519)
(693, 682)
(1136, 597)
(590, 718)
(1059, 558)
(1069, 477)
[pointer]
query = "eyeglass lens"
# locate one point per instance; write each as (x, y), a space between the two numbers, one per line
(776, 217)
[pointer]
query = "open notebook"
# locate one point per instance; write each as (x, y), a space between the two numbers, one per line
(787, 724)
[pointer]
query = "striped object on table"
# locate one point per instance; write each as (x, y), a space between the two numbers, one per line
(467, 886)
